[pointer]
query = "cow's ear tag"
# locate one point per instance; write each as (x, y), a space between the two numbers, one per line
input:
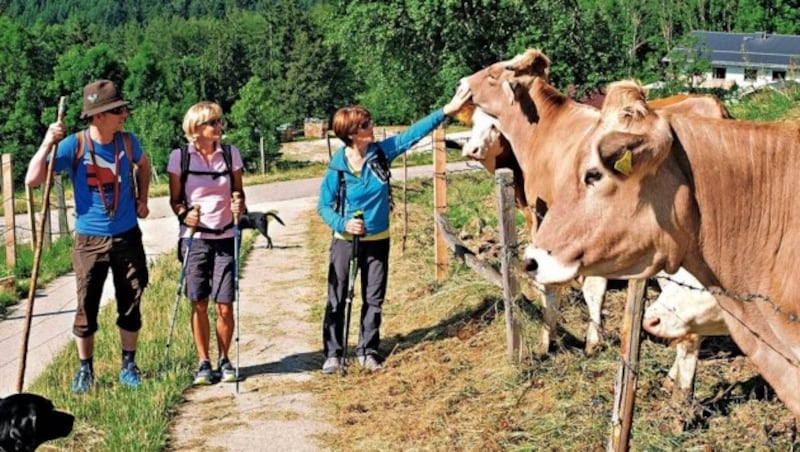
(625, 163)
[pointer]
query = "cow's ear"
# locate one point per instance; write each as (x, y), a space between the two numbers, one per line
(509, 89)
(621, 151)
(532, 62)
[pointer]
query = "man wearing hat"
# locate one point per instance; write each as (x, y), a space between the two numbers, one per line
(109, 197)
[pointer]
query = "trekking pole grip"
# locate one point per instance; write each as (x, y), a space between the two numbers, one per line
(192, 229)
(236, 196)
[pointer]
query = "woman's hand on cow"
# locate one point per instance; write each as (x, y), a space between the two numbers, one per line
(355, 226)
(463, 94)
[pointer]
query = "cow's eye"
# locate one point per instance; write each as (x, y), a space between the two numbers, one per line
(591, 176)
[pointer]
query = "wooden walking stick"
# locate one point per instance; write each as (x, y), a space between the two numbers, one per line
(37, 253)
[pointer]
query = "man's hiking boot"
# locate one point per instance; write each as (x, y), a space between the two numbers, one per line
(227, 374)
(130, 375)
(331, 365)
(83, 381)
(370, 362)
(203, 375)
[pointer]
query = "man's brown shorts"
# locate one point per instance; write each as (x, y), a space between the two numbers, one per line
(92, 256)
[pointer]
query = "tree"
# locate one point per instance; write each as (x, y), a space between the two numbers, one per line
(255, 116)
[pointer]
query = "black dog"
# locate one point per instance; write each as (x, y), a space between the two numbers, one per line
(28, 420)
(259, 221)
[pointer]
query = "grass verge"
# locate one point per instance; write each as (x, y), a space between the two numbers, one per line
(112, 417)
(55, 261)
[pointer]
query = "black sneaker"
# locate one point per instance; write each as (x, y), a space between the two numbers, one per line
(203, 375)
(227, 374)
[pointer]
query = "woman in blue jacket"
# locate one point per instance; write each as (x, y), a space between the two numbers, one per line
(357, 165)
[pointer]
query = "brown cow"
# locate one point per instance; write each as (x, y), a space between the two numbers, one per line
(500, 90)
(503, 98)
(663, 191)
(679, 313)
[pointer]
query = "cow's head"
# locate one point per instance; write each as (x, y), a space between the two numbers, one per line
(484, 143)
(500, 85)
(623, 208)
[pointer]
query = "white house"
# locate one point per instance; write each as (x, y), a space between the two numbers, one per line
(746, 59)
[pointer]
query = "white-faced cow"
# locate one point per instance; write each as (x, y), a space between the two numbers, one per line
(663, 191)
(685, 312)
(503, 100)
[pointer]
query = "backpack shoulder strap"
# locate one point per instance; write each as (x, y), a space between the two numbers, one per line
(226, 155)
(78, 150)
(341, 193)
(383, 162)
(127, 143)
(184, 171)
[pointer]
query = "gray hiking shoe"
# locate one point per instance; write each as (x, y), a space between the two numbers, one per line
(370, 362)
(203, 375)
(331, 365)
(227, 374)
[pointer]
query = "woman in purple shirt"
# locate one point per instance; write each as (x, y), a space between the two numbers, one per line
(210, 180)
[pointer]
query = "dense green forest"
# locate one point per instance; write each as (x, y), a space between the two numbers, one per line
(274, 62)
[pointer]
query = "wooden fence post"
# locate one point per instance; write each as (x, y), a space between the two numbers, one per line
(8, 205)
(628, 372)
(506, 208)
(441, 258)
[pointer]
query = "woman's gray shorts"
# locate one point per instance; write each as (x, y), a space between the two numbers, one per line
(209, 272)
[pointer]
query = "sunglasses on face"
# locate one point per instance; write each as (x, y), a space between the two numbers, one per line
(119, 110)
(212, 122)
(365, 125)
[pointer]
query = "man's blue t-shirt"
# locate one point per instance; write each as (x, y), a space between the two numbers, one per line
(91, 216)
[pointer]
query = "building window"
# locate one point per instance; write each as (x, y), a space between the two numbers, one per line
(778, 75)
(750, 74)
(719, 72)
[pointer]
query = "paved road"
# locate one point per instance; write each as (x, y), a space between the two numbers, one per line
(54, 306)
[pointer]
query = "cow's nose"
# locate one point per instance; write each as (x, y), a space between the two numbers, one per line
(651, 323)
(531, 266)
(470, 152)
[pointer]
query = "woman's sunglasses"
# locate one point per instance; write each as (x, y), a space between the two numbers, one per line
(212, 122)
(365, 125)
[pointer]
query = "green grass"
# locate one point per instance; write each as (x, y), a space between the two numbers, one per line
(112, 417)
(55, 261)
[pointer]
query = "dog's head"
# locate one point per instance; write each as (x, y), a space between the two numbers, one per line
(28, 420)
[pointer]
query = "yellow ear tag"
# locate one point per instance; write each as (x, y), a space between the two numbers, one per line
(625, 163)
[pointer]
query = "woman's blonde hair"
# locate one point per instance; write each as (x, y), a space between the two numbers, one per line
(198, 114)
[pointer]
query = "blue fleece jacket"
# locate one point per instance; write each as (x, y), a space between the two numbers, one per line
(366, 192)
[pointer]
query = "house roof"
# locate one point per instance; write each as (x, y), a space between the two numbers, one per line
(747, 49)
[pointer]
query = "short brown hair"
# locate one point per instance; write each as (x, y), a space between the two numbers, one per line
(347, 120)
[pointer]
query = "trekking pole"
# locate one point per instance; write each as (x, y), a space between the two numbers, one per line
(37, 252)
(181, 280)
(351, 287)
(236, 238)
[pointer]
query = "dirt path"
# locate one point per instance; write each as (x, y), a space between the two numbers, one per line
(277, 345)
